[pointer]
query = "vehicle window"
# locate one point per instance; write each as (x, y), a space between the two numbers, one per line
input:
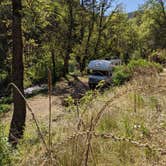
(99, 73)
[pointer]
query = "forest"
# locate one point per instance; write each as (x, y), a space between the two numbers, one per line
(50, 43)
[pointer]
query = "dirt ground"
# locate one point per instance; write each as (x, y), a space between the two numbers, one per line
(64, 88)
(75, 87)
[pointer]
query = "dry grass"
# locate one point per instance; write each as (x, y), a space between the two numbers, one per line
(135, 111)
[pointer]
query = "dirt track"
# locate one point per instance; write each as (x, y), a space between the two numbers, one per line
(75, 88)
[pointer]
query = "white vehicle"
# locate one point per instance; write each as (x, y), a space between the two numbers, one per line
(101, 70)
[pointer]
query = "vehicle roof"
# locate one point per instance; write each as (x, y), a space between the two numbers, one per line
(103, 65)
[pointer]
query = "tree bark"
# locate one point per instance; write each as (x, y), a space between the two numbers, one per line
(53, 67)
(69, 38)
(18, 120)
(91, 26)
(100, 30)
(82, 29)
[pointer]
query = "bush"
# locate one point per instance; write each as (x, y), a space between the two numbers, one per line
(142, 65)
(3, 75)
(125, 72)
(159, 56)
(6, 100)
(121, 74)
(5, 104)
(4, 108)
(5, 150)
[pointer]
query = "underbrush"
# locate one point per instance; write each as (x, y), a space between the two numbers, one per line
(123, 126)
(4, 108)
(124, 73)
(158, 56)
(5, 149)
(5, 104)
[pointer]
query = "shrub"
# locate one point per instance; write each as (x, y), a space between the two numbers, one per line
(5, 104)
(121, 74)
(6, 100)
(142, 65)
(3, 75)
(125, 72)
(4, 108)
(158, 56)
(5, 150)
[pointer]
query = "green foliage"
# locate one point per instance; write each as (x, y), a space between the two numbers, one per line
(120, 75)
(69, 102)
(47, 26)
(5, 104)
(158, 56)
(3, 75)
(125, 72)
(100, 84)
(4, 108)
(142, 64)
(88, 97)
(6, 100)
(5, 149)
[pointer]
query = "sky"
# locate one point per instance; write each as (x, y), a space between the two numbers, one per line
(131, 5)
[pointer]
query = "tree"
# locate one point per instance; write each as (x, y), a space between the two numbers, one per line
(104, 5)
(69, 36)
(19, 114)
(156, 11)
(92, 6)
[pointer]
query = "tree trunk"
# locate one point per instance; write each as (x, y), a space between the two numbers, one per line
(100, 30)
(69, 37)
(91, 26)
(82, 29)
(66, 65)
(53, 66)
(18, 120)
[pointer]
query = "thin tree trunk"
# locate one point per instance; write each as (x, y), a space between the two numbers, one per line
(53, 66)
(91, 26)
(83, 64)
(66, 66)
(18, 120)
(82, 29)
(100, 30)
(69, 36)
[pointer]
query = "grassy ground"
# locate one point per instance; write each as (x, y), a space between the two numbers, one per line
(135, 111)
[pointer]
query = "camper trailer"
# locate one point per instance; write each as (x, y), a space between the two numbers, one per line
(101, 70)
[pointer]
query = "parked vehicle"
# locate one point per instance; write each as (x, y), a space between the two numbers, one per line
(101, 70)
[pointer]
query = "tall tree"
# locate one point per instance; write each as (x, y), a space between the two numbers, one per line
(69, 36)
(19, 114)
(103, 3)
(92, 5)
(156, 11)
